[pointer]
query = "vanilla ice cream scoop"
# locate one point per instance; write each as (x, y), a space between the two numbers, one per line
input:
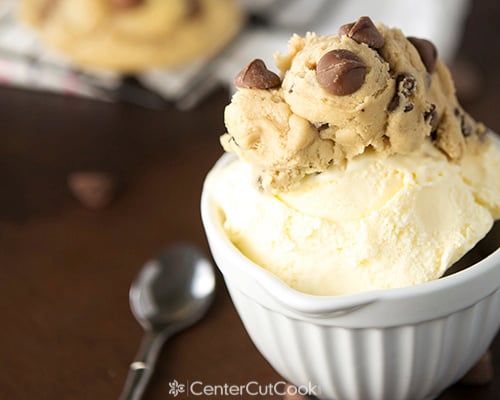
(383, 222)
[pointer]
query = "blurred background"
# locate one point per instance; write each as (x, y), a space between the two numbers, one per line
(82, 47)
(100, 168)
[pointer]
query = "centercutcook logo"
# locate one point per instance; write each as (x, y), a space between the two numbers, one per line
(252, 388)
(176, 388)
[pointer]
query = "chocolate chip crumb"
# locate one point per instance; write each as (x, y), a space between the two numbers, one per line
(260, 185)
(406, 83)
(431, 116)
(408, 107)
(363, 31)
(394, 103)
(405, 86)
(465, 127)
(256, 76)
(233, 139)
(431, 111)
(340, 72)
(466, 131)
(434, 136)
(427, 51)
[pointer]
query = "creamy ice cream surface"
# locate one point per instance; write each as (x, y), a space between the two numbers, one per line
(379, 223)
(357, 168)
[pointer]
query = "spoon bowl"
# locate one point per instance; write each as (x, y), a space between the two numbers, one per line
(174, 289)
(170, 293)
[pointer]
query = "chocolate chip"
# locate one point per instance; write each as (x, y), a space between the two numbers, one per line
(95, 190)
(256, 76)
(340, 72)
(125, 3)
(427, 51)
(363, 31)
(345, 29)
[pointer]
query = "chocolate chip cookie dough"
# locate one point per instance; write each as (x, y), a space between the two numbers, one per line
(133, 35)
(368, 88)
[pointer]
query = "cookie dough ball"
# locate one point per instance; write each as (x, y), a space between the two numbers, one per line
(353, 120)
(282, 146)
(367, 89)
(133, 35)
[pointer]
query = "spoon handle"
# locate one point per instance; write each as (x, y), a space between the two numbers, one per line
(142, 367)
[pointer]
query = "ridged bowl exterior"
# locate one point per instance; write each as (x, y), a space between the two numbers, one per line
(395, 344)
(401, 362)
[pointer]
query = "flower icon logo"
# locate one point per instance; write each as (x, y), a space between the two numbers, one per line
(176, 388)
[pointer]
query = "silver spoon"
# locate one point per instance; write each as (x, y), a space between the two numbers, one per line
(170, 293)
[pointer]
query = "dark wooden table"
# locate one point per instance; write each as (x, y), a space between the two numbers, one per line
(67, 332)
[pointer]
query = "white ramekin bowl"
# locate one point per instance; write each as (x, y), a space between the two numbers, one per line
(407, 343)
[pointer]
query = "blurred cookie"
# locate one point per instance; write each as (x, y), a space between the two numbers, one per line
(132, 35)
